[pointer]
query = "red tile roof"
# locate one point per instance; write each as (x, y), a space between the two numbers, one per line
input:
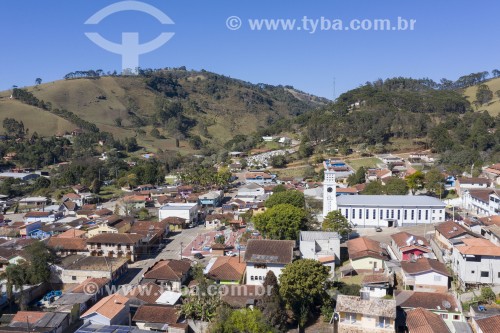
(479, 246)
(450, 229)
(28, 316)
(227, 269)
(147, 293)
(269, 251)
(109, 306)
(420, 320)
(402, 237)
(424, 265)
(489, 324)
(67, 243)
(89, 284)
(110, 238)
(157, 314)
(364, 247)
(169, 270)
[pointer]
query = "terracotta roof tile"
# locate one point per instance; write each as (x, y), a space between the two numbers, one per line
(109, 306)
(269, 251)
(67, 243)
(147, 293)
(227, 269)
(489, 324)
(450, 229)
(170, 270)
(364, 247)
(157, 314)
(427, 300)
(111, 238)
(424, 265)
(95, 282)
(478, 246)
(420, 320)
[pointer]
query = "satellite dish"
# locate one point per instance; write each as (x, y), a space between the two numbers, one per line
(446, 304)
(420, 242)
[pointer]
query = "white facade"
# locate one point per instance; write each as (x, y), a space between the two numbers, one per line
(374, 291)
(256, 272)
(480, 206)
(187, 211)
(329, 193)
(318, 245)
(476, 269)
(428, 281)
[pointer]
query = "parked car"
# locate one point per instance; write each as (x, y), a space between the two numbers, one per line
(198, 256)
(222, 227)
(378, 229)
(231, 254)
(255, 233)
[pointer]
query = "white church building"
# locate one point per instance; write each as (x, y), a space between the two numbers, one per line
(381, 210)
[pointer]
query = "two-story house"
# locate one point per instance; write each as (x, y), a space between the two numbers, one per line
(365, 314)
(115, 245)
(425, 275)
(476, 261)
(444, 305)
(322, 246)
(211, 199)
(263, 255)
(406, 246)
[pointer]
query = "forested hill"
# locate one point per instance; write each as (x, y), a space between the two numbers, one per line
(161, 108)
(402, 113)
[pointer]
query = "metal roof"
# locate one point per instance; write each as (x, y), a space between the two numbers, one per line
(317, 235)
(389, 201)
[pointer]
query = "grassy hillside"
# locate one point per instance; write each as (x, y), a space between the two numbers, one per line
(212, 106)
(492, 107)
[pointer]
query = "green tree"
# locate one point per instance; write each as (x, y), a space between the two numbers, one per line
(303, 285)
(279, 188)
(271, 305)
(374, 188)
(243, 321)
(487, 295)
(95, 187)
(41, 183)
(282, 221)
(292, 197)
(220, 240)
(305, 150)
(415, 181)
(38, 81)
(434, 182)
(396, 186)
(278, 161)
(39, 258)
(484, 94)
(336, 222)
(357, 178)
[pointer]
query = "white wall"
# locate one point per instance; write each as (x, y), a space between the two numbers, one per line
(420, 215)
(261, 273)
(470, 271)
(190, 213)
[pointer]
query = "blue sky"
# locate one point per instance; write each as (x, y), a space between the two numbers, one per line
(45, 38)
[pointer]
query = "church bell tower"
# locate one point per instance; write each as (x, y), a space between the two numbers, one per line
(329, 192)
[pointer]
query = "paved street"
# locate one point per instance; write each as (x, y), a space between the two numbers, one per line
(385, 235)
(171, 251)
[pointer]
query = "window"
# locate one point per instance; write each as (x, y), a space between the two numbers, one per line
(347, 213)
(456, 317)
(360, 214)
(472, 272)
(350, 317)
(485, 274)
(381, 214)
(499, 275)
(444, 315)
(399, 214)
(387, 214)
(383, 322)
(392, 213)
(73, 278)
(426, 214)
(412, 214)
(260, 278)
(353, 213)
(367, 214)
(419, 214)
(374, 214)
(433, 211)
(406, 215)
(252, 277)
